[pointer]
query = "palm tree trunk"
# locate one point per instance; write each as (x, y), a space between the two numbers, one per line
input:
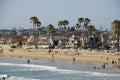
(118, 39)
(34, 34)
(65, 30)
(35, 37)
(94, 40)
(49, 44)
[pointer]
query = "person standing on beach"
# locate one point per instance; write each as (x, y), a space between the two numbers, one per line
(113, 61)
(52, 55)
(103, 66)
(74, 59)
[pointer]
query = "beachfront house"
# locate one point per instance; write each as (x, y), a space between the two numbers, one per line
(74, 41)
(56, 41)
(59, 41)
(104, 38)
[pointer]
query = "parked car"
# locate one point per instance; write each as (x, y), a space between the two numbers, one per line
(104, 48)
(113, 49)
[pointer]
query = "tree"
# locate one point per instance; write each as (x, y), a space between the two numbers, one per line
(51, 29)
(91, 28)
(51, 32)
(36, 24)
(80, 21)
(63, 23)
(117, 28)
(83, 21)
(79, 24)
(86, 22)
(72, 29)
(35, 21)
(60, 24)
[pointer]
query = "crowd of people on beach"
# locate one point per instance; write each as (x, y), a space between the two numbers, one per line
(73, 53)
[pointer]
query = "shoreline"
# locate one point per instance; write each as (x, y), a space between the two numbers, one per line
(63, 54)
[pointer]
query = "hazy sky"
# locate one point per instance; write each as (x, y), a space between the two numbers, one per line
(16, 13)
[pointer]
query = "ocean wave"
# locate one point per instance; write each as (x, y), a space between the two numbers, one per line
(6, 77)
(33, 67)
(30, 66)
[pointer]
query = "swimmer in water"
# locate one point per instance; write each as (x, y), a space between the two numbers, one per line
(28, 61)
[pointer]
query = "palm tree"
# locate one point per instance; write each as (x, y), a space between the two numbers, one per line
(91, 28)
(36, 23)
(77, 26)
(63, 23)
(51, 31)
(86, 22)
(80, 21)
(60, 24)
(117, 28)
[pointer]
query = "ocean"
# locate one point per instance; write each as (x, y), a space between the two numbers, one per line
(49, 69)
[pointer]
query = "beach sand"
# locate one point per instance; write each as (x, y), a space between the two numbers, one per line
(63, 54)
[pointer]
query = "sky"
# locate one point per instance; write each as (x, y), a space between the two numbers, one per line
(16, 13)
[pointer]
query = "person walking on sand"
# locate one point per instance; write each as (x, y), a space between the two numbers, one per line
(113, 61)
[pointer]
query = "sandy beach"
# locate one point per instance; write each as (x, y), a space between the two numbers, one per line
(63, 54)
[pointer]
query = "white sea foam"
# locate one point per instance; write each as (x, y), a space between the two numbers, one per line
(33, 67)
(14, 78)
(30, 66)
